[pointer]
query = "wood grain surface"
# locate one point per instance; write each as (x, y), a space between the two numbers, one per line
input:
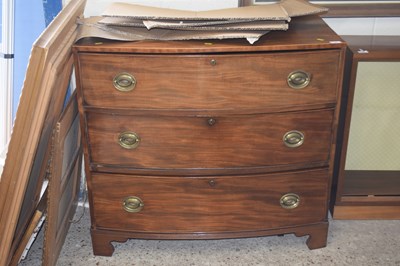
(211, 204)
(170, 142)
(202, 180)
(44, 87)
(191, 82)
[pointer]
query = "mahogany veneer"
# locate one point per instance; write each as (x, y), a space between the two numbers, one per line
(196, 150)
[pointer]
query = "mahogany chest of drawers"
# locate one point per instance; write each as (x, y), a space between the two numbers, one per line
(210, 139)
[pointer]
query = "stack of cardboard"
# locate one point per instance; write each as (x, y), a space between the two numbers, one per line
(122, 21)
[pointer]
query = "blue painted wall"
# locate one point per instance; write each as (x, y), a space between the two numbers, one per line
(51, 9)
(31, 18)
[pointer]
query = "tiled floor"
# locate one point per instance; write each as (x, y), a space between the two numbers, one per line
(349, 243)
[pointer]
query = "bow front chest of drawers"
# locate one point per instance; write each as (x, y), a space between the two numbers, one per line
(210, 139)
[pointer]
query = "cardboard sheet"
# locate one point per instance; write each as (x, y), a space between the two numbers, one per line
(264, 12)
(182, 25)
(90, 28)
(297, 8)
(123, 22)
(255, 25)
(131, 22)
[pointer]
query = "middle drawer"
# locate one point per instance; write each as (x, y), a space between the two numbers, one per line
(235, 141)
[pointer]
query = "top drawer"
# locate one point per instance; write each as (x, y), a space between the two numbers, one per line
(222, 81)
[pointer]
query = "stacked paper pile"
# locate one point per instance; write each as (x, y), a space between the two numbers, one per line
(122, 21)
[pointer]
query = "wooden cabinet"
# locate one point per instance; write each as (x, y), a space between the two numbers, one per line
(368, 179)
(209, 140)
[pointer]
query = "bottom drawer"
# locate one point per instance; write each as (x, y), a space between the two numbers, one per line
(208, 204)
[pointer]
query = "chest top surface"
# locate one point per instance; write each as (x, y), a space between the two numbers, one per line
(305, 33)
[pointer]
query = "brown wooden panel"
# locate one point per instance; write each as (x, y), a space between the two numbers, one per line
(61, 71)
(371, 183)
(192, 82)
(362, 9)
(366, 212)
(209, 204)
(370, 200)
(172, 142)
(37, 113)
(64, 181)
(31, 229)
(103, 240)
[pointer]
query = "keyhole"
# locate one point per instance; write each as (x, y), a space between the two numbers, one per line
(212, 183)
(211, 121)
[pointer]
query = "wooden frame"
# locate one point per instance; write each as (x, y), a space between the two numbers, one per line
(64, 181)
(31, 230)
(364, 194)
(40, 106)
(374, 9)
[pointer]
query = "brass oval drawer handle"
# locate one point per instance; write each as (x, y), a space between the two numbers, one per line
(128, 140)
(124, 82)
(293, 139)
(298, 79)
(132, 204)
(290, 201)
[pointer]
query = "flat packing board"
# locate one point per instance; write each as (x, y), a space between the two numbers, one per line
(281, 10)
(262, 12)
(124, 21)
(297, 8)
(131, 22)
(91, 28)
(193, 25)
(41, 103)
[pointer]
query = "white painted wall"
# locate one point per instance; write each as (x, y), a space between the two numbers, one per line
(365, 26)
(96, 7)
(6, 80)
